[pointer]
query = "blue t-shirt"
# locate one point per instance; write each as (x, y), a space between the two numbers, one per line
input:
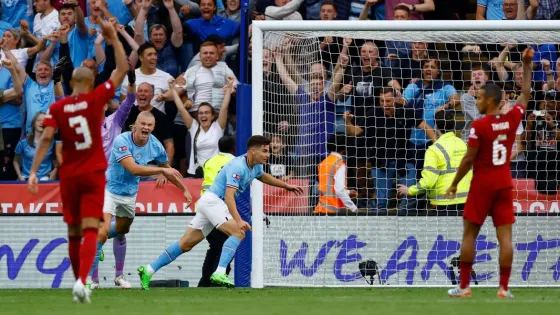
(13, 11)
(37, 99)
(119, 10)
(494, 9)
(548, 52)
(235, 174)
(78, 45)
(27, 153)
(434, 96)
(226, 28)
(4, 26)
(10, 115)
(120, 181)
(91, 39)
(316, 124)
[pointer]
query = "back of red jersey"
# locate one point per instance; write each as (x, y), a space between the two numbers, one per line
(494, 137)
(79, 119)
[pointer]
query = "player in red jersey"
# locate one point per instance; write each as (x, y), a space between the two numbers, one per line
(489, 149)
(82, 175)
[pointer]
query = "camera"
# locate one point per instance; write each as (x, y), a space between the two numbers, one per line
(540, 113)
(369, 269)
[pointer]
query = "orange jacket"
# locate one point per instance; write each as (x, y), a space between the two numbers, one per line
(329, 203)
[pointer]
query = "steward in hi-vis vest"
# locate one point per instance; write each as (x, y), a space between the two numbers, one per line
(440, 166)
(334, 198)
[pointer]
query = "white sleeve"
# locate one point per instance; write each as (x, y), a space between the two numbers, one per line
(279, 13)
(519, 128)
(229, 73)
(340, 189)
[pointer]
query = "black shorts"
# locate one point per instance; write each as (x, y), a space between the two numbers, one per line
(180, 138)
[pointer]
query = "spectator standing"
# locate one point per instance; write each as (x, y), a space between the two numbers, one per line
(210, 23)
(479, 77)
(46, 20)
(206, 130)
(223, 51)
(416, 7)
(284, 10)
(168, 52)
(546, 8)
(25, 151)
(12, 40)
(231, 11)
(490, 10)
(10, 118)
(149, 73)
(360, 10)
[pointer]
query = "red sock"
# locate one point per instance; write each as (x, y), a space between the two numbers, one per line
(465, 269)
(74, 243)
(87, 252)
(504, 277)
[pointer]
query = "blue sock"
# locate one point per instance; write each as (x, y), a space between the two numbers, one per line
(228, 251)
(96, 260)
(169, 255)
(112, 230)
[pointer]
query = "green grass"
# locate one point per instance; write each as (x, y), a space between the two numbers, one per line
(281, 301)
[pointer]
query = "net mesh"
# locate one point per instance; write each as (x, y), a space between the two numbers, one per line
(375, 89)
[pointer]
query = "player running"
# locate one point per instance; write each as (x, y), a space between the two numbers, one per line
(82, 175)
(131, 153)
(489, 149)
(217, 207)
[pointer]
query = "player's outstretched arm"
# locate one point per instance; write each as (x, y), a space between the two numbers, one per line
(40, 154)
(273, 181)
(178, 183)
(527, 60)
(464, 168)
(110, 35)
(140, 170)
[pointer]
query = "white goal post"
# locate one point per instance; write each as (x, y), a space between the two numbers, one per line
(288, 232)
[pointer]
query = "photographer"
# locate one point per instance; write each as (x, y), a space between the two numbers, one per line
(542, 136)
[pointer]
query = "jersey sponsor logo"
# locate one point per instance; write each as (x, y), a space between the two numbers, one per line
(236, 176)
(473, 134)
(70, 108)
(123, 148)
(501, 126)
(107, 85)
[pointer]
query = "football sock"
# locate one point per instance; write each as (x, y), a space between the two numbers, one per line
(228, 251)
(74, 243)
(119, 249)
(465, 276)
(99, 246)
(112, 230)
(169, 255)
(504, 276)
(87, 252)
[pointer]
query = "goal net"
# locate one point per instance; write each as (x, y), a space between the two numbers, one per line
(379, 90)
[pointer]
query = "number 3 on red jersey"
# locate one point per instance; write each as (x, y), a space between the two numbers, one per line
(80, 125)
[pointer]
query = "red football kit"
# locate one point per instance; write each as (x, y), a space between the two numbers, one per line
(491, 186)
(82, 173)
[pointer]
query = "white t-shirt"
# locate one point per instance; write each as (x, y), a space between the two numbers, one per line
(203, 83)
(158, 80)
(206, 144)
(44, 26)
(20, 54)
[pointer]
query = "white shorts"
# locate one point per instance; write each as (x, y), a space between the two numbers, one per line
(211, 212)
(119, 206)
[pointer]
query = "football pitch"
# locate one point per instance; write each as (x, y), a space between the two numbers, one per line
(290, 301)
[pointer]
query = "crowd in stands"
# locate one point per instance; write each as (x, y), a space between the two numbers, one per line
(356, 86)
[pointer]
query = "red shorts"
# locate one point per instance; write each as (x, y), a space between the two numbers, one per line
(496, 203)
(82, 197)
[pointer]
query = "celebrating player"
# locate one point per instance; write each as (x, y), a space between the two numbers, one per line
(489, 149)
(132, 151)
(217, 207)
(82, 175)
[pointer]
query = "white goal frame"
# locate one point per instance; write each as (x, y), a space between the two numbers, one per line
(257, 198)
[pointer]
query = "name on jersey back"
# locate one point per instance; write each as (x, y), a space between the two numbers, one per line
(70, 108)
(501, 126)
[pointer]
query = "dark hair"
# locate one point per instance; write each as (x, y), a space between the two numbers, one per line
(216, 39)
(445, 120)
(157, 27)
(31, 135)
(492, 91)
(402, 7)
(209, 105)
(387, 89)
(337, 143)
(257, 141)
(66, 7)
(330, 2)
(430, 59)
(145, 46)
(226, 144)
